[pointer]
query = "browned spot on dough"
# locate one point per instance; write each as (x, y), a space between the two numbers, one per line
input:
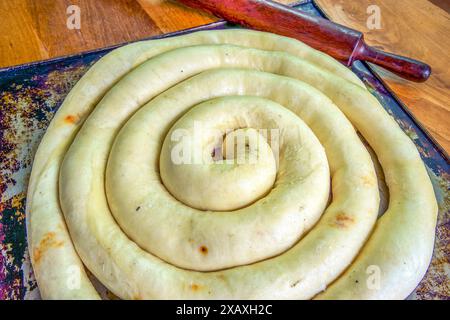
(343, 221)
(203, 250)
(71, 119)
(194, 287)
(137, 297)
(47, 242)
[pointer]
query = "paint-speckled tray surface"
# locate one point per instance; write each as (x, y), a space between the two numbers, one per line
(31, 94)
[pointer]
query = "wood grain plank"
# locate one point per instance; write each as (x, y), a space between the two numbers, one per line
(40, 28)
(414, 28)
(18, 39)
(171, 16)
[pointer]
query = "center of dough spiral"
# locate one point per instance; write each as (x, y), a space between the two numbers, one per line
(226, 213)
(209, 163)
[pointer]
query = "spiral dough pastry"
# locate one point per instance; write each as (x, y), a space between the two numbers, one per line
(106, 195)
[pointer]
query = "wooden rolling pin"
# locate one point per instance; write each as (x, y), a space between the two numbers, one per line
(340, 42)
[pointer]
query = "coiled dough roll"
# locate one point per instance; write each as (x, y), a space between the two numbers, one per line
(106, 193)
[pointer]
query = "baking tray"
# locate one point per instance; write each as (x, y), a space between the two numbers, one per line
(30, 94)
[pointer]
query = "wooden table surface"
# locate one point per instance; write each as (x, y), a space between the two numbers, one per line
(36, 29)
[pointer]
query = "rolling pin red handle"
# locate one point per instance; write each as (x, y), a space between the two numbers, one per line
(404, 67)
(340, 42)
